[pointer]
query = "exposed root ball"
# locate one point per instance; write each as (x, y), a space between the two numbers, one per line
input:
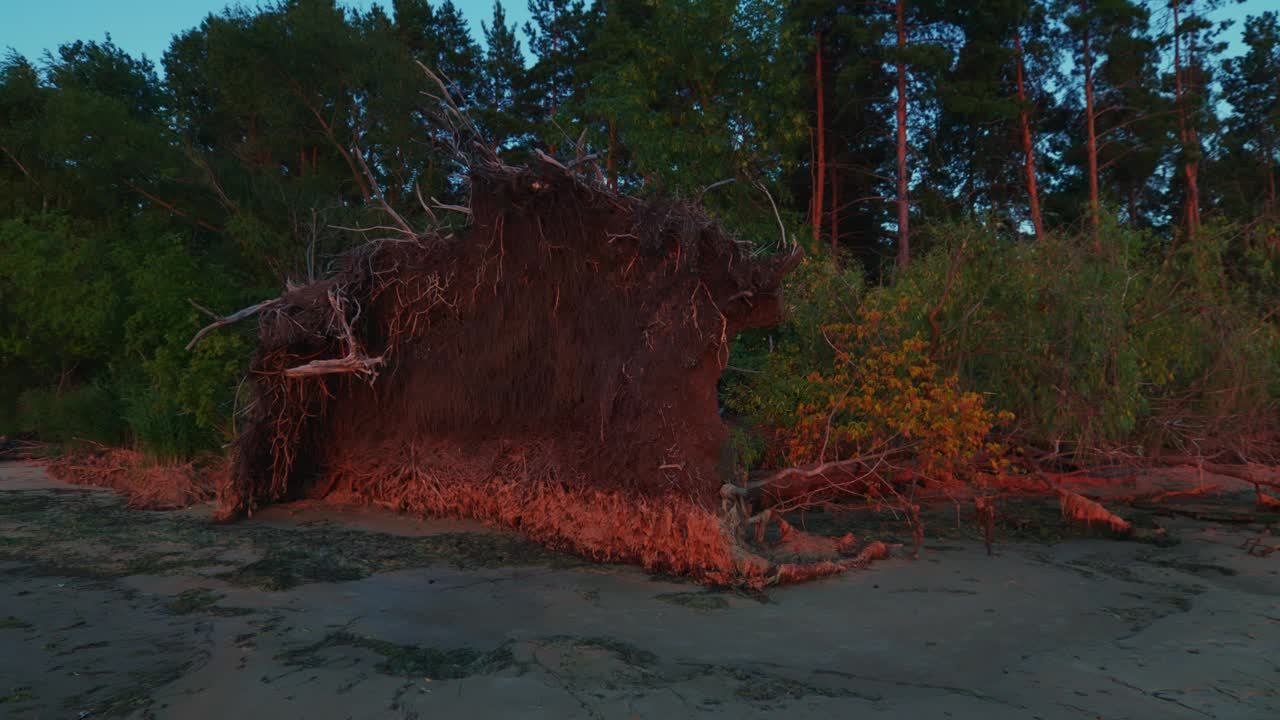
(521, 487)
(553, 369)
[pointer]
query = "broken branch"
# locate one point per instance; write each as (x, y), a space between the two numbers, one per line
(353, 362)
(233, 317)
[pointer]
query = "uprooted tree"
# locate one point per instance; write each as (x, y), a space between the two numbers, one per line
(550, 364)
(551, 367)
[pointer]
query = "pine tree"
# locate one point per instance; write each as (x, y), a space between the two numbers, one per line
(918, 55)
(849, 185)
(983, 149)
(23, 170)
(1102, 36)
(1194, 45)
(439, 38)
(504, 93)
(1251, 145)
(560, 33)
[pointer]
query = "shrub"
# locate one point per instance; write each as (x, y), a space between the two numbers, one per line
(74, 414)
(769, 368)
(1042, 328)
(161, 427)
(884, 394)
(855, 379)
(1145, 347)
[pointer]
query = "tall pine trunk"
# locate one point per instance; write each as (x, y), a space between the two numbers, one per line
(820, 162)
(1270, 208)
(610, 167)
(835, 214)
(1186, 130)
(904, 231)
(1028, 144)
(1091, 131)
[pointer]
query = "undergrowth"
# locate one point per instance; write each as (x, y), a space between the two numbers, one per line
(1044, 346)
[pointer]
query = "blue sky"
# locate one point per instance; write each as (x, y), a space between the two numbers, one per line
(145, 26)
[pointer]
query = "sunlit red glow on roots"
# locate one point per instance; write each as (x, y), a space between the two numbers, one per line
(147, 483)
(521, 490)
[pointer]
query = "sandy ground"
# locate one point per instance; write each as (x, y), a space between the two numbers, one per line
(307, 613)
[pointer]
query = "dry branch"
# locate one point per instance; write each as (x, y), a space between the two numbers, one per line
(454, 208)
(358, 364)
(233, 317)
(1259, 475)
(797, 481)
(354, 361)
(401, 225)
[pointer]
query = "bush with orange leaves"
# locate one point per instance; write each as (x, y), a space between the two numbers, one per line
(851, 375)
(883, 396)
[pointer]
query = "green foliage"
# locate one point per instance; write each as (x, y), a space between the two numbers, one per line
(1102, 349)
(771, 368)
(855, 378)
(109, 311)
(123, 195)
(504, 104)
(686, 94)
(1044, 327)
(1144, 344)
(160, 424)
(1245, 171)
(59, 310)
(74, 414)
(195, 388)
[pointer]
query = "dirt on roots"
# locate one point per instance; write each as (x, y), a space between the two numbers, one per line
(550, 368)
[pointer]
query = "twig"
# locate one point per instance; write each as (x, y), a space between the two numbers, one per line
(234, 317)
(549, 160)
(382, 200)
(455, 208)
(782, 478)
(354, 361)
(714, 185)
(781, 227)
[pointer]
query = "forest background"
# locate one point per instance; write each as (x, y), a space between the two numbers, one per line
(1047, 225)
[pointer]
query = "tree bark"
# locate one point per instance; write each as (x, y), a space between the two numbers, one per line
(1091, 131)
(169, 206)
(610, 169)
(835, 216)
(904, 231)
(1028, 145)
(1271, 193)
(1186, 130)
(17, 162)
(1269, 206)
(820, 162)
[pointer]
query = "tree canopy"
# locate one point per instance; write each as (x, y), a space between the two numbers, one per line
(134, 198)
